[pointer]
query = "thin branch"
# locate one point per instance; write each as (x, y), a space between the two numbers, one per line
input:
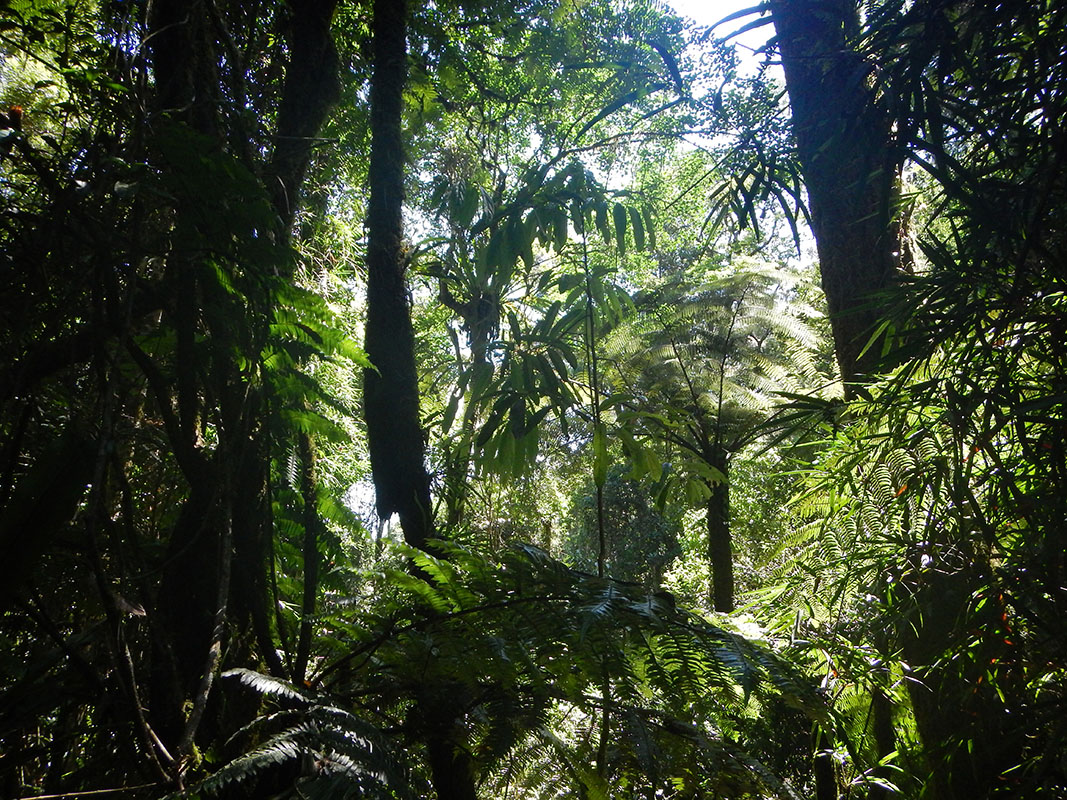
(89, 792)
(214, 654)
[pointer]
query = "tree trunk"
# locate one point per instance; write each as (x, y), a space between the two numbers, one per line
(312, 524)
(824, 768)
(849, 168)
(884, 740)
(450, 770)
(968, 739)
(391, 390)
(720, 550)
(185, 50)
(311, 89)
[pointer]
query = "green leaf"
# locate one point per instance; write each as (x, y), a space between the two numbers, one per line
(610, 109)
(696, 492)
(526, 233)
(618, 213)
(602, 220)
(709, 473)
(465, 209)
(497, 254)
(650, 228)
(600, 455)
(450, 412)
(652, 466)
(560, 226)
(639, 228)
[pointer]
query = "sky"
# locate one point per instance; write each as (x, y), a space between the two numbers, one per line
(708, 12)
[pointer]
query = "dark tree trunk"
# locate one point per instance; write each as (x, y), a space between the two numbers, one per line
(968, 738)
(185, 51)
(311, 89)
(391, 390)
(720, 550)
(844, 141)
(881, 715)
(825, 771)
(450, 770)
(849, 167)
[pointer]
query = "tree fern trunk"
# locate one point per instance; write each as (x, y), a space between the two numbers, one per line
(825, 772)
(968, 738)
(720, 549)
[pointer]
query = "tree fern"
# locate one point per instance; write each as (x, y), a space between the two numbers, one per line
(698, 371)
(523, 644)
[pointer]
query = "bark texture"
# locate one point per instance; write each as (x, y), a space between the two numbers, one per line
(720, 548)
(850, 169)
(391, 390)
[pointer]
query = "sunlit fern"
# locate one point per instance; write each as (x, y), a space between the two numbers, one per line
(527, 647)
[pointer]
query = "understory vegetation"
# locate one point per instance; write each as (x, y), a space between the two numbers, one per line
(529, 400)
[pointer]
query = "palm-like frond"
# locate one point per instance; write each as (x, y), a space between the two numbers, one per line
(318, 749)
(702, 366)
(532, 648)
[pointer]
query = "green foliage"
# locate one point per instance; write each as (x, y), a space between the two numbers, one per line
(307, 748)
(698, 371)
(642, 542)
(936, 502)
(179, 418)
(152, 327)
(525, 646)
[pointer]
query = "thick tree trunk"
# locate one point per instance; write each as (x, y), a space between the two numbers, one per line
(184, 63)
(849, 167)
(450, 770)
(311, 89)
(391, 390)
(720, 549)
(884, 740)
(185, 51)
(968, 738)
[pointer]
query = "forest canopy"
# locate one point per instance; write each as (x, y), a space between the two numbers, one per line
(534, 399)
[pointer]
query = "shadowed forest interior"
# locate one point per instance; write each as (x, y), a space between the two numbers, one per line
(543, 399)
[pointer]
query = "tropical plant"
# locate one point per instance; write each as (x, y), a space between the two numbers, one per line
(697, 371)
(155, 355)
(642, 542)
(567, 684)
(927, 495)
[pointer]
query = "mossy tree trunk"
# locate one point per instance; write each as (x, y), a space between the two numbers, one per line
(391, 389)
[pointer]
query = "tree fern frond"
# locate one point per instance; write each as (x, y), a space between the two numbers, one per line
(268, 685)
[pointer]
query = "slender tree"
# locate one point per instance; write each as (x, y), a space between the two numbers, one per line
(390, 388)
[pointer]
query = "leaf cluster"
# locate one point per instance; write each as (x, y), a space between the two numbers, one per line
(530, 653)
